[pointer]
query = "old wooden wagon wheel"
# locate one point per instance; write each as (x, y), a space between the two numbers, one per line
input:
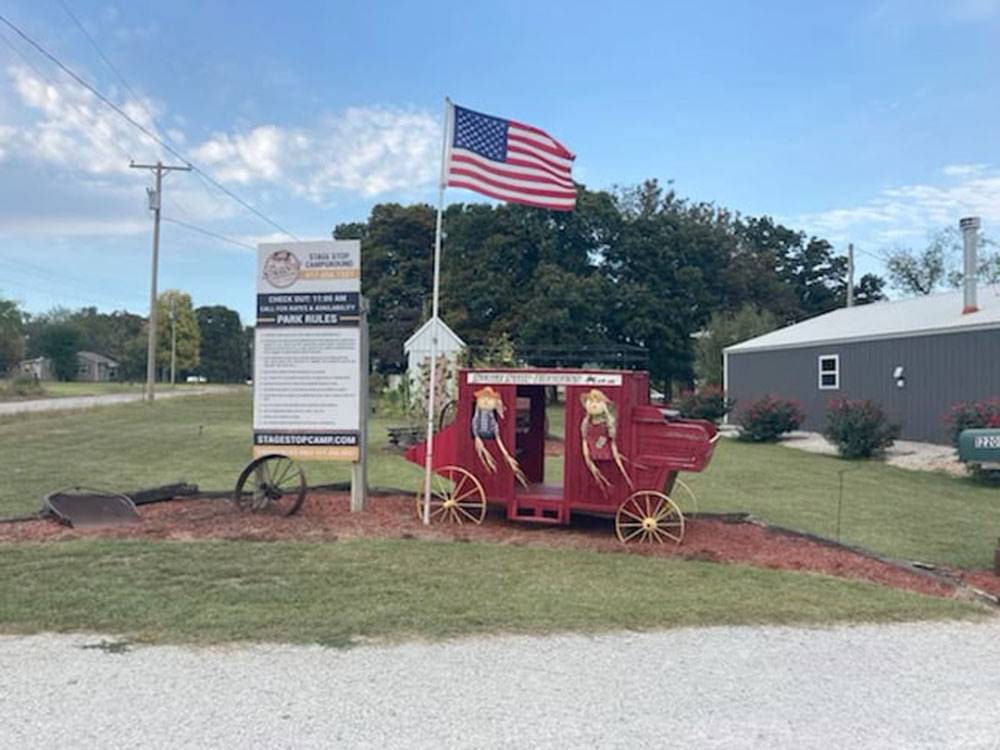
(456, 497)
(274, 483)
(684, 497)
(649, 516)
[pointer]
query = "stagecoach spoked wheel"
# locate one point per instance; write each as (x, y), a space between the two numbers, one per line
(649, 516)
(456, 497)
(271, 484)
(684, 496)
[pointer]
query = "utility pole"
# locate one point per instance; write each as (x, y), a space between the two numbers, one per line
(173, 341)
(850, 274)
(155, 195)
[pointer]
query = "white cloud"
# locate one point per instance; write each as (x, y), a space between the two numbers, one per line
(367, 150)
(962, 170)
(907, 213)
(371, 150)
(83, 144)
(69, 127)
(73, 226)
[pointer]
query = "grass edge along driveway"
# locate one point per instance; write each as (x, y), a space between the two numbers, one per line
(343, 593)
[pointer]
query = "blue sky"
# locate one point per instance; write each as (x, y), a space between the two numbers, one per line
(865, 121)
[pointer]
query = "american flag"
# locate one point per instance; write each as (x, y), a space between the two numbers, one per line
(510, 161)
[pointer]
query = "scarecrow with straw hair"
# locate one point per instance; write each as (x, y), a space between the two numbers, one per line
(598, 431)
(486, 426)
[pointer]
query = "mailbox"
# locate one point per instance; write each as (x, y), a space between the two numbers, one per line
(980, 447)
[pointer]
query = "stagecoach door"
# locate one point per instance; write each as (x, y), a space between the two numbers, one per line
(539, 500)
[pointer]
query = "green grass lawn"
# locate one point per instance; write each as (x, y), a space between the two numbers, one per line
(200, 439)
(206, 440)
(907, 514)
(342, 592)
(64, 390)
(337, 593)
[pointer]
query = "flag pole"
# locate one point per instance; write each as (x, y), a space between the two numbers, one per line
(432, 385)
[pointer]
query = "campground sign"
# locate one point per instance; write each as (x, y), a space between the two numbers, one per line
(307, 350)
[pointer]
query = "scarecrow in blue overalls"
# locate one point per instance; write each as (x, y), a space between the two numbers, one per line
(486, 416)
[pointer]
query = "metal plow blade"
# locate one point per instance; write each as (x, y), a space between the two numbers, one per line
(81, 508)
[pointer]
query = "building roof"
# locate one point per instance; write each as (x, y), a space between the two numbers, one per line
(98, 358)
(448, 340)
(915, 316)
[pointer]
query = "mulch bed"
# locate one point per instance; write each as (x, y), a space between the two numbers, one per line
(326, 517)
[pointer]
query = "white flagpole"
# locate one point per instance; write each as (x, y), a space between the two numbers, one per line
(432, 386)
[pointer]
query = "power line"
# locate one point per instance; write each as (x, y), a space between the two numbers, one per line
(111, 66)
(59, 290)
(139, 126)
(159, 129)
(870, 254)
(209, 233)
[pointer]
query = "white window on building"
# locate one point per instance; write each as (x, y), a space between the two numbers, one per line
(829, 372)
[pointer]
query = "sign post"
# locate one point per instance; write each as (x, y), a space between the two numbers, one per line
(310, 354)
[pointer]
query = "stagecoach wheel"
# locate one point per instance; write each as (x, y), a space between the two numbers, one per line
(649, 516)
(456, 497)
(684, 497)
(275, 484)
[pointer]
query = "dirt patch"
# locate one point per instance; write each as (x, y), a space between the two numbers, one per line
(986, 580)
(326, 516)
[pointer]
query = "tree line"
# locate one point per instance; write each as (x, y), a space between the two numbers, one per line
(211, 340)
(633, 267)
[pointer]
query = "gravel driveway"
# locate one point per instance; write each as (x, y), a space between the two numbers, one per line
(908, 686)
(74, 403)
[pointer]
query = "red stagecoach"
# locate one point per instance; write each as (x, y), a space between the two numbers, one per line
(622, 454)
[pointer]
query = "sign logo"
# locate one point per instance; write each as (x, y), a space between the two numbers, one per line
(281, 269)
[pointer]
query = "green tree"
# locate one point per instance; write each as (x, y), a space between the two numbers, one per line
(726, 329)
(812, 279)
(223, 344)
(60, 342)
(941, 263)
(869, 289)
(638, 266)
(109, 334)
(188, 335)
(396, 250)
(11, 335)
(914, 272)
(663, 272)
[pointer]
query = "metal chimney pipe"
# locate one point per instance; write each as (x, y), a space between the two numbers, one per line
(970, 237)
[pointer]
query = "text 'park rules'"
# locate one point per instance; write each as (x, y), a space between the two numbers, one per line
(307, 350)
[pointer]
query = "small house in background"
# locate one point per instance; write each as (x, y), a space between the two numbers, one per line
(418, 350)
(37, 368)
(91, 368)
(917, 357)
(96, 368)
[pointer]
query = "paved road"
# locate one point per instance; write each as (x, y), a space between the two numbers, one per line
(900, 686)
(73, 403)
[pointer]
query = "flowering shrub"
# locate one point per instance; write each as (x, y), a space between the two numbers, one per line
(768, 418)
(708, 403)
(972, 415)
(859, 429)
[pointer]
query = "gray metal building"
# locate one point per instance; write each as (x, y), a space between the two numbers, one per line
(917, 357)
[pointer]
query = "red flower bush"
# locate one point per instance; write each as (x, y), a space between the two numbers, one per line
(859, 429)
(708, 403)
(973, 415)
(768, 418)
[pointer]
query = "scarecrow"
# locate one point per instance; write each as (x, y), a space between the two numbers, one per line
(486, 426)
(597, 432)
